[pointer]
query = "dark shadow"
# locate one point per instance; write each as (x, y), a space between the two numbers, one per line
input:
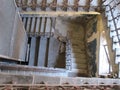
(60, 62)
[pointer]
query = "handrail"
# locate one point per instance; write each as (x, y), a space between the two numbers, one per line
(114, 22)
(116, 29)
(109, 2)
(112, 6)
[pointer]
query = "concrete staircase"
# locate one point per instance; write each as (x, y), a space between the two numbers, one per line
(78, 56)
(78, 53)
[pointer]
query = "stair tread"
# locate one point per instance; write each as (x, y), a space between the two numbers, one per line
(78, 56)
(85, 71)
(74, 74)
(79, 66)
(74, 60)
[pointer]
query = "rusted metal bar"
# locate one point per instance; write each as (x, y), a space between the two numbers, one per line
(64, 5)
(43, 4)
(87, 7)
(115, 29)
(24, 4)
(113, 6)
(114, 18)
(53, 5)
(33, 4)
(104, 1)
(110, 2)
(76, 5)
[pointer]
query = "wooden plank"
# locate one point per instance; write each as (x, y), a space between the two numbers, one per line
(32, 51)
(57, 14)
(42, 51)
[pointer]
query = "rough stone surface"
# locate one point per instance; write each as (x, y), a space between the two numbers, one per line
(49, 80)
(46, 80)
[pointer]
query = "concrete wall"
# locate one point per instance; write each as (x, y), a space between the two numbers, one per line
(7, 16)
(92, 45)
(12, 33)
(19, 39)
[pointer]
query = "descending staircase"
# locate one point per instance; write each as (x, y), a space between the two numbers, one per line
(79, 62)
(73, 5)
(76, 57)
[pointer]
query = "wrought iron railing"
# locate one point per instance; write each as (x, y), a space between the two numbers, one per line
(114, 18)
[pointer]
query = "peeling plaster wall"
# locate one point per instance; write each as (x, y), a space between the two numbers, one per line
(89, 33)
(92, 46)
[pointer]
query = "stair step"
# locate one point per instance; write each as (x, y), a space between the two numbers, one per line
(82, 61)
(77, 40)
(77, 50)
(78, 55)
(74, 74)
(77, 43)
(79, 66)
(83, 71)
